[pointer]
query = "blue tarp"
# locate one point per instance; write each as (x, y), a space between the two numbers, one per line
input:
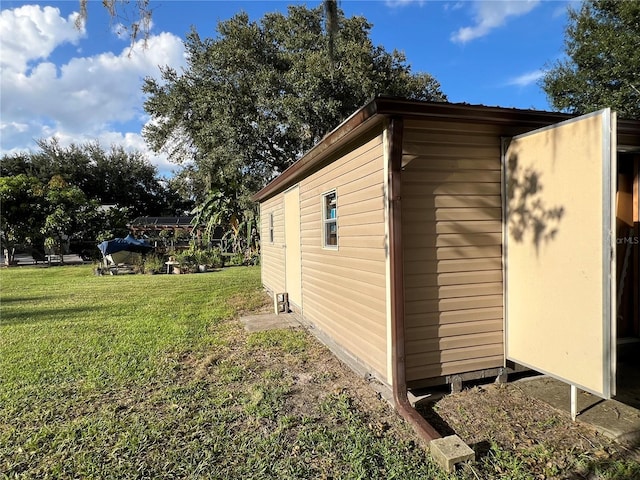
(129, 244)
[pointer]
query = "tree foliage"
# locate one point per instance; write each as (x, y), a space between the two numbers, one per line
(251, 101)
(112, 177)
(603, 66)
(36, 215)
(79, 193)
(21, 212)
(66, 210)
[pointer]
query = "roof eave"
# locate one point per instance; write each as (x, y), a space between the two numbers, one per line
(362, 118)
(383, 107)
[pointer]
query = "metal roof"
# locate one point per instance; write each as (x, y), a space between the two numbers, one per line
(162, 221)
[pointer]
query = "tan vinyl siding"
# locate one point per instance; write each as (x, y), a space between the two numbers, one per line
(344, 289)
(273, 260)
(476, 360)
(456, 316)
(452, 237)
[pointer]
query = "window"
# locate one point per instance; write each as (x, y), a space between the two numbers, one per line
(330, 219)
(271, 227)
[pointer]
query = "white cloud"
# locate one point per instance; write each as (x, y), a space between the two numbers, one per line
(453, 6)
(563, 7)
(402, 3)
(120, 31)
(491, 14)
(526, 79)
(124, 32)
(84, 99)
(30, 33)
(86, 95)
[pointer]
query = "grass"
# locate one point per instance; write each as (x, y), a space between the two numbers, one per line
(151, 376)
(144, 376)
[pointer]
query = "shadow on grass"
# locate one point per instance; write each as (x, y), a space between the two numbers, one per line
(41, 315)
(10, 300)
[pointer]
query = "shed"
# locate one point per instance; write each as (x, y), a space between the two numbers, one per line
(430, 243)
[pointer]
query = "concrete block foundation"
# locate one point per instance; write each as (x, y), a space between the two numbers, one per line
(449, 451)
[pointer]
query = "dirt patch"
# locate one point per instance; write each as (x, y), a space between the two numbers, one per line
(254, 302)
(495, 420)
(509, 430)
(543, 439)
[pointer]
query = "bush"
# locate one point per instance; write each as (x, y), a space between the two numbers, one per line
(187, 261)
(192, 259)
(210, 257)
(214, 258)
(153, 264)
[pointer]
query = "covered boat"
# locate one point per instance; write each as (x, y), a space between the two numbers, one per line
(123, 250)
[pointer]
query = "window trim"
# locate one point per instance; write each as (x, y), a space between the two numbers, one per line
(326, 221)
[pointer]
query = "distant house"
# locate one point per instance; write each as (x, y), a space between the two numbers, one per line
(432, 243)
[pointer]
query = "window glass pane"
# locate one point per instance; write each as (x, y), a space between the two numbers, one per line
(330, 205)
(271, 227)
(331, 235)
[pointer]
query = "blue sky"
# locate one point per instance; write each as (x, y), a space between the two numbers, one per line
(83, 85)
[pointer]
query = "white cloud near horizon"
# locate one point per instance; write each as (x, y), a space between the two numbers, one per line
(491, 14)
(85, 99)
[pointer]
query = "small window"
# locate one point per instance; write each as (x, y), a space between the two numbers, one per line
(271, 227)
(330, 219)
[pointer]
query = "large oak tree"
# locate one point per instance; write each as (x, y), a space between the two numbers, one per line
(252, 100)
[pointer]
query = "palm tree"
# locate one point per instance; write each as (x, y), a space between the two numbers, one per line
(331, 22)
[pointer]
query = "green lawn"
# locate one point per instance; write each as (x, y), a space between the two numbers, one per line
(142, 376)
(139, 376)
